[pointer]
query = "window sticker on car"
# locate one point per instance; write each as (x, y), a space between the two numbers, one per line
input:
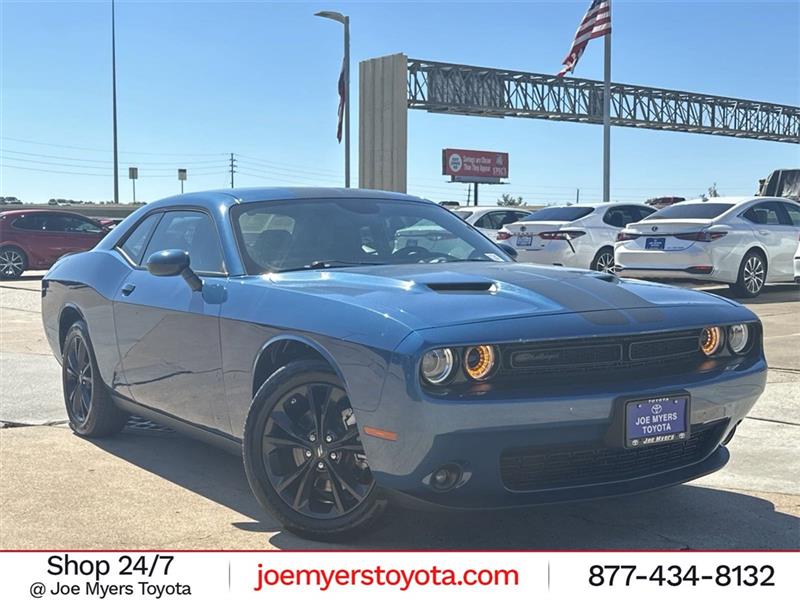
(494, 257)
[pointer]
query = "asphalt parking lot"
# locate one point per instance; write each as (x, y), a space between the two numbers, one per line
(155, 489)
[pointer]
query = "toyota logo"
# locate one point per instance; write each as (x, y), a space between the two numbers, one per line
(656, 409)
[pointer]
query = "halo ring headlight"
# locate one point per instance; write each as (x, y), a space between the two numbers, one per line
(711, 340)
(479, 362)
(738, 338)
(437, 365)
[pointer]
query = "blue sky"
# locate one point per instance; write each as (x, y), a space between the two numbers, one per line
(198, 80)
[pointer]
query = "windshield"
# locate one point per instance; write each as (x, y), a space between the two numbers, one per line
(279, 236)
(690, 211)
(565, 213)
(463, 214)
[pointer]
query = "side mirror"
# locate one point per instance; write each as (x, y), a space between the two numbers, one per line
(510, 250)
(169, 263)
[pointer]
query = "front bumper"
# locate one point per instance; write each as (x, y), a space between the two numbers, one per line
(476, 433)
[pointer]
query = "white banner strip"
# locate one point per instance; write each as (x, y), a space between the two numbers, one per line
(354, 575)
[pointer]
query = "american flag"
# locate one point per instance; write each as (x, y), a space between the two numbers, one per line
(596, 23)
(342, 95)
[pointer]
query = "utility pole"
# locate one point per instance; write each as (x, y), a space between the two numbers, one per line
(114, 99)
(476, 193)
(577, 195)
(232, 168)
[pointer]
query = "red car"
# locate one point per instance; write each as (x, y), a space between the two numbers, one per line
(35, 239)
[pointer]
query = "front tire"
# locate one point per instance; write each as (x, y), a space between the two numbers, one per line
(91, 411)
(303, 457)
(752, 275)
(13, 262)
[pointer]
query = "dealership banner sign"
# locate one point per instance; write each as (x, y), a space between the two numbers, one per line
(306, 574)
(474, 165)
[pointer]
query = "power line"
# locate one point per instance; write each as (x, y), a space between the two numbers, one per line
(23, 141)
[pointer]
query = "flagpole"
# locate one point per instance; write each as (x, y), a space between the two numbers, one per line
(347, 102)
(607, 119)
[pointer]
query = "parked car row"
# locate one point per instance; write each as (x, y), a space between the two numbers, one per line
(745, 242)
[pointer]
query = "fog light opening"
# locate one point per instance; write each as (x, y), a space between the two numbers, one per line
(446, 477)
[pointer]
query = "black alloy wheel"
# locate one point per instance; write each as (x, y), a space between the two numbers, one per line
(303, 456)
(78, 380)
(90, 408)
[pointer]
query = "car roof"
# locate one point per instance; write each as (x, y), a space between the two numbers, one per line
(230, 197)
(595, 205)
(28, 211)
(730, 199)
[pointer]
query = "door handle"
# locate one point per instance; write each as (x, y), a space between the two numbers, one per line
(762, 232)
(127, 289)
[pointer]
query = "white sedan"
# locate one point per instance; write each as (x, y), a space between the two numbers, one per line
(488, 220)
(745, 242)
(579, 235)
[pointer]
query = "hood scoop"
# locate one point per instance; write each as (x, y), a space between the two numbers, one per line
(462, 286)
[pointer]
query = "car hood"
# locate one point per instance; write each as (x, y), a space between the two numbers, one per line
(435, 295)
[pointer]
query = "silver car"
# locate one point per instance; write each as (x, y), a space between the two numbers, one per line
(745, 242)
(580, 235)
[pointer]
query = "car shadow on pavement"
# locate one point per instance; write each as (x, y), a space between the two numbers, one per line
(683, 517)
(769, 295)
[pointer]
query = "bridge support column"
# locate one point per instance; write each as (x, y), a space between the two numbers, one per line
(383, 123)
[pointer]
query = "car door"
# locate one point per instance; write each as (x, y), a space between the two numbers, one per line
(772, 227)
(167, 334)
(73, 233)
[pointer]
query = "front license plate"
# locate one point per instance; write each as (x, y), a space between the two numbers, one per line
(656, 421)
(654, 243)
(524, 240)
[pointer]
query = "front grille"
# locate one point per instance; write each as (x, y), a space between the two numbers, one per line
(537, 468)
(602, 358)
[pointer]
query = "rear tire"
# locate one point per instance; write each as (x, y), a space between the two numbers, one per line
(91, 411)
(303, 457)
(604, 261)
(13, 262)
(752, 275)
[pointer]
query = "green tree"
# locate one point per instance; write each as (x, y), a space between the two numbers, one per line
(509, 200)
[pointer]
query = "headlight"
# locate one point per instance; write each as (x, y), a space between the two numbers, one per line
(479, 362)
(711, 340)
(437, 365)
(738, 338)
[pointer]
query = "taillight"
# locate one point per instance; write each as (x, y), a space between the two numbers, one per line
(701, 236)
(503, 235)
(624, 236)
(561, 235)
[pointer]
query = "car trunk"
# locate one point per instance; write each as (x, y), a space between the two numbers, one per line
(525, 234)
(658, 229)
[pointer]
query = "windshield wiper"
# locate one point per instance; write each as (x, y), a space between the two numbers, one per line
(330, 264)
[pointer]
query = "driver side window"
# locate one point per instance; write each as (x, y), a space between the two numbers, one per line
(194, 232)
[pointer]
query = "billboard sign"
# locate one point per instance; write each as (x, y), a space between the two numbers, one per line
(474, 165)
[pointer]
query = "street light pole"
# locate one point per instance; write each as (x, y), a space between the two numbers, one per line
(114, 99)
(344, 20)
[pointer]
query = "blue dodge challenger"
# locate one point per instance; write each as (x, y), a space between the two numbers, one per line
(360, 348)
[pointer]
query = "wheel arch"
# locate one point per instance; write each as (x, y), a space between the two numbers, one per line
(68, 316)
(284, 349)
(760, 250)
